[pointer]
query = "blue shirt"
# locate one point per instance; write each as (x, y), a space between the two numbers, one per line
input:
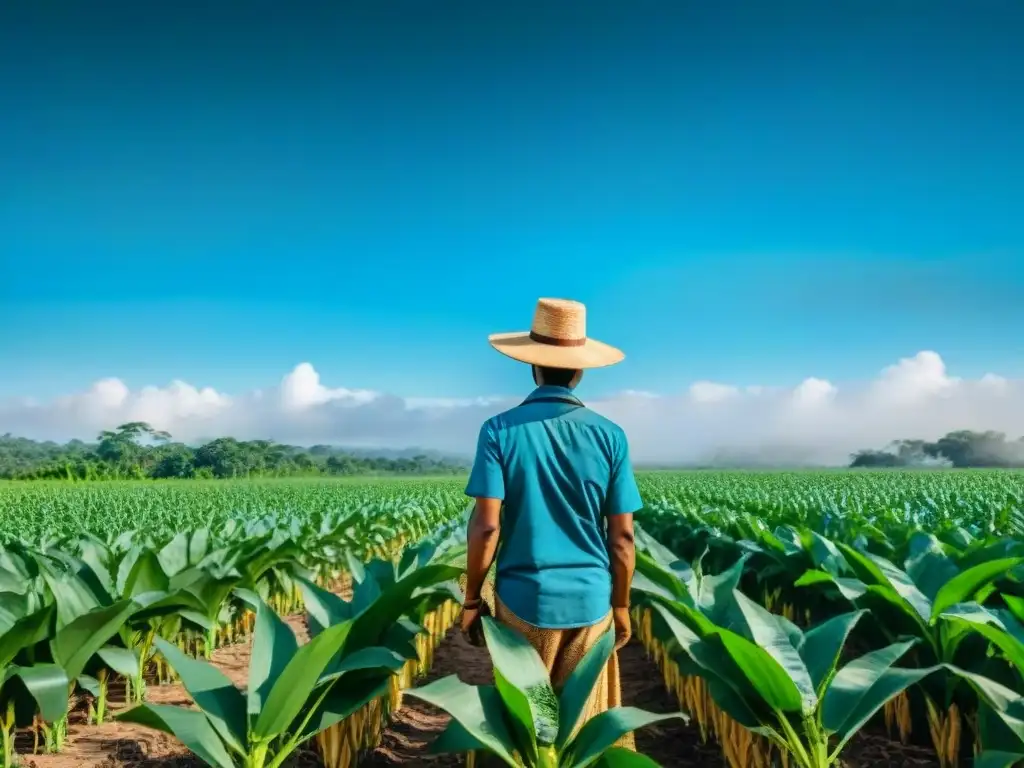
(560, 469)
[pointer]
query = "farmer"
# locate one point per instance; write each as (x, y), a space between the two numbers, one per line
(564, 542)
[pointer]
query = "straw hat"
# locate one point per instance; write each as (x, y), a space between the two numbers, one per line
(557, 339)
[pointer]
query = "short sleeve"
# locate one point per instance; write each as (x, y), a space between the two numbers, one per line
(487, 479)
(623, 495)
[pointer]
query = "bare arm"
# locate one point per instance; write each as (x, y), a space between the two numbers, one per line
(482, 536)
(623, 557)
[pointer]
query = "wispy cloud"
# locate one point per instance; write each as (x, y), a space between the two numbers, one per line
(814, 421)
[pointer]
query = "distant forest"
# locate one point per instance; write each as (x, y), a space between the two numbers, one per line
(137, 451)
(957, 449)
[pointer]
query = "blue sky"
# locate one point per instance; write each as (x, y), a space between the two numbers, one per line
(741, 192)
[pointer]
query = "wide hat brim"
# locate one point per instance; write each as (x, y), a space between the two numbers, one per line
(591, 354)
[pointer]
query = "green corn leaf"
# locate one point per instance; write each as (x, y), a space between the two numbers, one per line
(121, 660)
(851, 589)
(601, 732)
(323, 608)
(339, 702)
(862, 687)
(823, 644)
(963, 586)
(223, 704)
(455, 740)
(48, 684)
(75, 644)
(523, 682)
(478, 709)
(25, 632)
(189, 726)
(274, 645)
(773, 683)
(575, 693)
(618, 757)
(772, 638)
(295, 684)
(895, 585)
(146, 575)
(993, 759)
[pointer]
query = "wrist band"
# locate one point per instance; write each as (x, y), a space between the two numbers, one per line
(471, 604)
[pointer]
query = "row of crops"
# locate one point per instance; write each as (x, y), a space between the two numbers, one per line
(94, 611)
(787, 612)
(790, 612)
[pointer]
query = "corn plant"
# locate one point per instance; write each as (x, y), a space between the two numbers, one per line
(522, 719)
(785, 684)
(293, 693)
(27, 688)
(925, 602)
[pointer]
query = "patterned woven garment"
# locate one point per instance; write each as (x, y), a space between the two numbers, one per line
(562, 649)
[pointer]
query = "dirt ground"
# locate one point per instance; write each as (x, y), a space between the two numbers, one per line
(672, 744)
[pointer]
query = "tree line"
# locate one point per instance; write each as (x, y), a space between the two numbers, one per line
(963, 448)
(138, 451)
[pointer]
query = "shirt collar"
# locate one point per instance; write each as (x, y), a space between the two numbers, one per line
(548, 390)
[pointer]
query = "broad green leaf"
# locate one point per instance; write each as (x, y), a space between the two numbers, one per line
(774, 638)
(189, 726)
(323, 608)
(962, 587)
(1000, 702)
(891, 683)
(48, 685)
(992, 759)
(988, 625)
(652, 578)
(823, 644)
(618, 757)
(376, 657)
(478, 709)
(273, 646)
(74, 645)
(213, 693)
(342, 700)
(121, 660)
(72, 595)
(714, 594)
(401, 636)
(732, 703)
(455, 740)
(371, 624)
(771, 681)
(851, 589)
(146, 575)
(859, 687)
(575, 693)
(872, 569)
(600, 733)
(928, 564)
(528, 681)
(296, 682)
(25, 632)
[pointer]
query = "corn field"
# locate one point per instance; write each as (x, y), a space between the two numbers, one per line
(787, 612)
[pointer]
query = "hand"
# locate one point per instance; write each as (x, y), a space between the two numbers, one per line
(623, 627)
(471, 624)
(470, 616)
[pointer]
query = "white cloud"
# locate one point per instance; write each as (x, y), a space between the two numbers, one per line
(814, 421)
(711, 392)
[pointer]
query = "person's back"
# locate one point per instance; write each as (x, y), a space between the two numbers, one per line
(564, 468)
(555, 497)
